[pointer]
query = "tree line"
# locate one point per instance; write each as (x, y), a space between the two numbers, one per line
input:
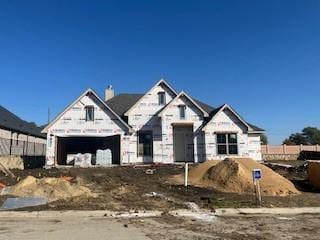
(308, 136)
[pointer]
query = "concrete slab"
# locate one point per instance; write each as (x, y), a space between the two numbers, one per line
(71, 228)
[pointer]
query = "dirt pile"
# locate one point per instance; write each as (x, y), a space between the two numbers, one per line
(196, 173)
(235, 175)
(51, 188)
(12, 162)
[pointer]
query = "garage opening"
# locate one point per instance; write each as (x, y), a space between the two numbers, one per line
(74, 145)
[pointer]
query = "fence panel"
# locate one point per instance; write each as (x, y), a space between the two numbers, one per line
(4, 146)
(287, 149)
(21, 148)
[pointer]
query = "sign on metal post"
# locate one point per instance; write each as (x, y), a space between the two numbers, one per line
(257, 175)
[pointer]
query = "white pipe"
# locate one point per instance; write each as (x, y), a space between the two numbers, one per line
(186, 174)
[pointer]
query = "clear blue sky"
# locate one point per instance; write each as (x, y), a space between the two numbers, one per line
(261, 57)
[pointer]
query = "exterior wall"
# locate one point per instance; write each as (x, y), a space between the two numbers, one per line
(171, 116)
(225, 121)
(142, 118)
(73, 123)
(254, 146)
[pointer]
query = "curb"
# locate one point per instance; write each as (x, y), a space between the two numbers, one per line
(266, 211)
(180, 213)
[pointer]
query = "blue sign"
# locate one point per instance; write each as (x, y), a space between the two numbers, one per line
(257, 174)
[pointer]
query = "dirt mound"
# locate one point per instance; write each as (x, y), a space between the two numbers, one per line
(51, 188)
(235, 175)
(197, 172)
(12, 162)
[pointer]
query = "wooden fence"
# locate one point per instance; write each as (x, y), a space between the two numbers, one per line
(288, 149)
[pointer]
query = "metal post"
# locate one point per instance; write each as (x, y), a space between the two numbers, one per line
(10, 149)
(27, 150)
(259, 193)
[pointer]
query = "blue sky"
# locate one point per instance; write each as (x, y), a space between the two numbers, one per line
(261, 57)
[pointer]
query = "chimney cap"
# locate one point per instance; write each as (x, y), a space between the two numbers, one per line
(109, 86)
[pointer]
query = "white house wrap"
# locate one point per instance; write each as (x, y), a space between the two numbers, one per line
(160, 126)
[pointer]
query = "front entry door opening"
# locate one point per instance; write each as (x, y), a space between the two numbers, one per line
(183, 143)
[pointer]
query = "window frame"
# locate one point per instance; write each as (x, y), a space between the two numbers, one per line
(184, 112)
(161, 98)
(227, 143)
(87, 113)
(139, 154)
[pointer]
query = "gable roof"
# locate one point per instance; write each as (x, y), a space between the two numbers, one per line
(162, 81)
(251, 127)
(12, 122)
(189, 98)
(123, 101)
(89, 90)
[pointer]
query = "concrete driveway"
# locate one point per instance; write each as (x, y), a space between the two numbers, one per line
(70, 228)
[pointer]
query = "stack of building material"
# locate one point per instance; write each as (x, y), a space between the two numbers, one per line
(103, 157)
(71, 159)
(82, 160)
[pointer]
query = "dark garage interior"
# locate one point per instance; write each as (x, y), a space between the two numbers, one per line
(74, 145)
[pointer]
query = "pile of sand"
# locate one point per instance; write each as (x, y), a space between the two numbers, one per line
(235, 175)
(51, 188)
(12, 162)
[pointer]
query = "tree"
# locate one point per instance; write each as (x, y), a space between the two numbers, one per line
(264, 139)
(312, 135)
(308, 136)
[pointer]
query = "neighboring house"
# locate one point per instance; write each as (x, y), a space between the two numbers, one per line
(19, 137)
(160, 126)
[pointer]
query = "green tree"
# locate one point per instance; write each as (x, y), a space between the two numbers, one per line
(312, 135)
(264, 139)
(308, 136)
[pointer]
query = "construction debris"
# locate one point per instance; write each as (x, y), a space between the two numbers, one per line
(6, 171)
(150, 171)
(2, 185)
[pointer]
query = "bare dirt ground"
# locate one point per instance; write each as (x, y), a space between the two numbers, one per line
(231, 228)
(124, 188)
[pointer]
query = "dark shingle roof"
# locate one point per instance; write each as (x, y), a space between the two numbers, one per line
(11, 122)
(255, 128)
(124, 101)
